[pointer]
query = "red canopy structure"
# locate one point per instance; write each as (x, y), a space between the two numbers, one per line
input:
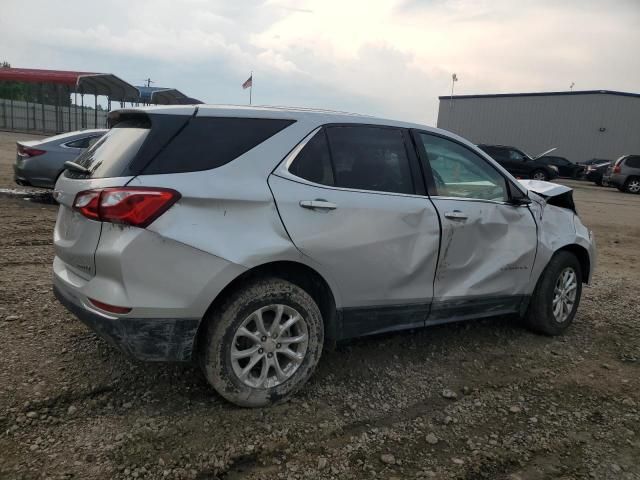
(40, 104)
(92, 83)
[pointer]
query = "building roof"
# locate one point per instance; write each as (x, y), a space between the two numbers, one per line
(165, 96)
(543, 94)
(92, 83)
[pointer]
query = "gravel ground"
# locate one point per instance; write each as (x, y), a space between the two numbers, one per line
(484, 399)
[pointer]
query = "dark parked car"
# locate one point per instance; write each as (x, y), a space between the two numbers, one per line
(596, 169)
(624, 174)
(565, 167)
(520, 164)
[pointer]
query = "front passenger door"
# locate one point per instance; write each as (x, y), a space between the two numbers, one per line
(488, 244)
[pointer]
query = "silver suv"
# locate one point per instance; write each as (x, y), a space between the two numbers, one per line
(625, 174)
(248, 238)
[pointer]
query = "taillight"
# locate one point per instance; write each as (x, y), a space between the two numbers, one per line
(29, 152)
(88, 203)
(136, 206)
(617, 169)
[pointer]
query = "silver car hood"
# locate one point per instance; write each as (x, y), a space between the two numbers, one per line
(545, 189)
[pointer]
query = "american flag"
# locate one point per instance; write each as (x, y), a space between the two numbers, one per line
(248, 83)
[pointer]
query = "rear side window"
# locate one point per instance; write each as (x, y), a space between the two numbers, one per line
(210, 142)
(82, 142)
(370, 158)
(313, 162)
(632, 162)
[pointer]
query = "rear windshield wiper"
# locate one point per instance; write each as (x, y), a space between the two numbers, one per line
(76, 167)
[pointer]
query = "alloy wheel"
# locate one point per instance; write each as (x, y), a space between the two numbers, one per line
(633, 186)
(540, 176)
(564, 294)
(269, 346)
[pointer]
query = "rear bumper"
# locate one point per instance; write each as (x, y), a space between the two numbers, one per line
(148, 339)
(616, 180)
(26, 172)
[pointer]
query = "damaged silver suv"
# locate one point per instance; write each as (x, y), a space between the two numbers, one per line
(247, 238)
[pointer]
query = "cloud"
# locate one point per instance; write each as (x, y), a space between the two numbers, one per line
(388, 57)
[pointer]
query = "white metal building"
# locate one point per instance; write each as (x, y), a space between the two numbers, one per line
(583, 125)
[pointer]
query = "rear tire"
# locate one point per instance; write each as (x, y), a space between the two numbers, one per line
(632, 185)
(247, 358)
(539, 175)
(556, 297)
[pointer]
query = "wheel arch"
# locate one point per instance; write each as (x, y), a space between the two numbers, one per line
(582, 255)
(297, 273)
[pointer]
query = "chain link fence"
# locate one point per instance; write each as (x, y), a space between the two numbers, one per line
(21, 116)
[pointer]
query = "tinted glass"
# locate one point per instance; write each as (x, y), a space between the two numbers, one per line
(313, 162)
(515, 155)
(459, 172)
(632, 162)
(110, 154)
(370, 158)
(496, 153)
(81, 143)
(210, 142)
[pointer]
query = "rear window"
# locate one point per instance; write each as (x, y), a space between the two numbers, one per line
(112, 153)
(210, 142)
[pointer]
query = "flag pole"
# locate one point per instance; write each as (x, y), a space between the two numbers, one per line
(251, 87)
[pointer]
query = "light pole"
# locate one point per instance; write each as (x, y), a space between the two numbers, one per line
(454, 79)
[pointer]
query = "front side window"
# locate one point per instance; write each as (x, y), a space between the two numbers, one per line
(370, 158)
(459, 172)
(516, 156)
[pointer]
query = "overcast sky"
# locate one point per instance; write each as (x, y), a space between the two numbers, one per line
(388, 58)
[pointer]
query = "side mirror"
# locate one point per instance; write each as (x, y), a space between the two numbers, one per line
(520, 201)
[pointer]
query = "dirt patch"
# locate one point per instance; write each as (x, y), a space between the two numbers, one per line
(525, 406)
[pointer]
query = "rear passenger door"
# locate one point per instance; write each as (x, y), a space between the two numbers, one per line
(488, 241)
(352, 198)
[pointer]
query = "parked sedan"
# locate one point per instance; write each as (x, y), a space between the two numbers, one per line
(519, 163)
(565, 167)
(39, 163)
(624, 174)
(245, 238)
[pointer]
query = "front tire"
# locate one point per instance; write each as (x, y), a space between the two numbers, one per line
(263, 344)
(555, 299)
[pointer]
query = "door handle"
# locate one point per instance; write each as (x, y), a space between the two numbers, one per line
(456, 214)
(319, 204)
